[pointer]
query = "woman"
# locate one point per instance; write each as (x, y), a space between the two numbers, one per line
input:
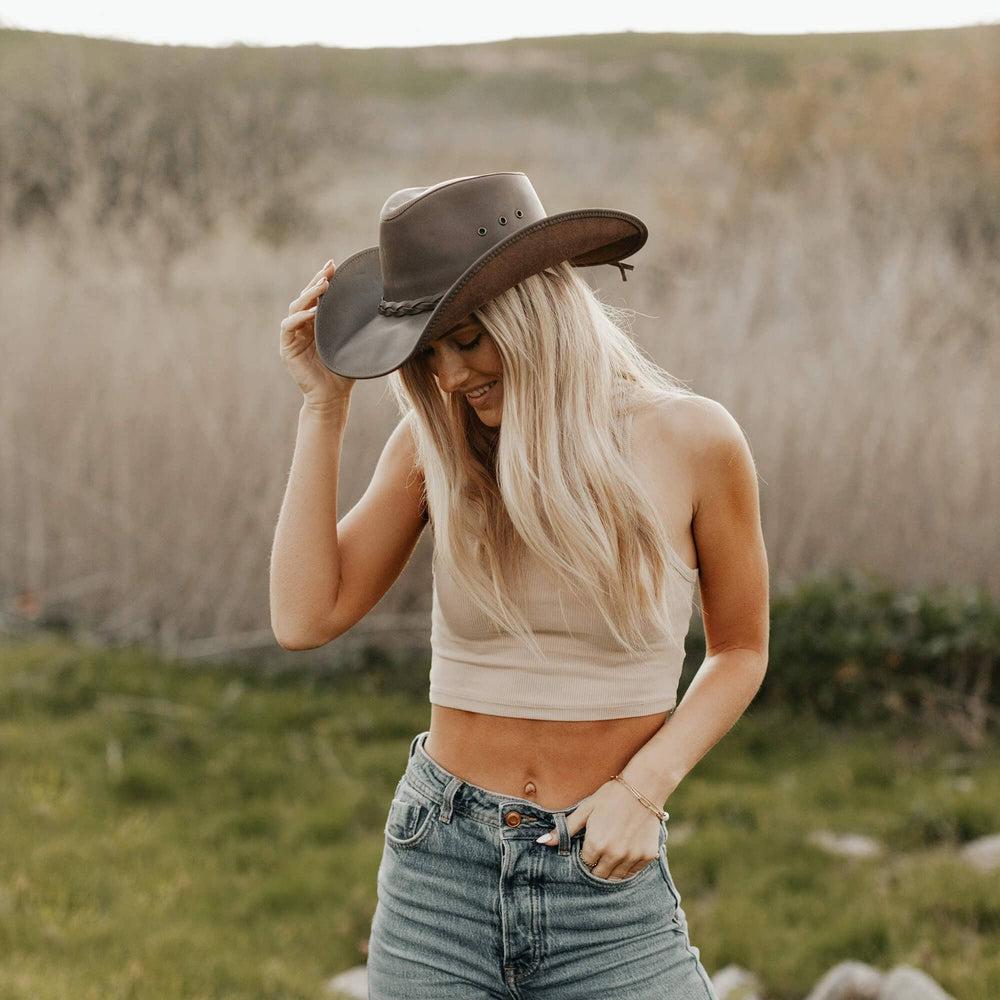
(576, 493)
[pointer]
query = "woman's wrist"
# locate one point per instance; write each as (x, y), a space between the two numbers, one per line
(644, 799)
(654, 785)
(327, 409)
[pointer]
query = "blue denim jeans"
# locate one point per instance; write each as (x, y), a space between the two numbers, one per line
(471, 907)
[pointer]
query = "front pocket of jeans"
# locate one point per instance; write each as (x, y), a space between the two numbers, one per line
(408, 822)
(576, 848)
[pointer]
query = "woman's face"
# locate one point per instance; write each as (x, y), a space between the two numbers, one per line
(465, 358)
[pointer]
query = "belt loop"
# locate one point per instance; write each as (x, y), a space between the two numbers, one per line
(564, 838)
(448, 799)
(413, 744)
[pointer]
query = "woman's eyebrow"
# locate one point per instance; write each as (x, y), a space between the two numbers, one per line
(469, 328)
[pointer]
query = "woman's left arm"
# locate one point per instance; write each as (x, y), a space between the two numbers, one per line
(733, 574)
(732, 567)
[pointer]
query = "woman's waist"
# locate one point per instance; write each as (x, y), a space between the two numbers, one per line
(552, 762)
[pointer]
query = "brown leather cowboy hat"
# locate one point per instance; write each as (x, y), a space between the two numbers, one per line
(445, 250)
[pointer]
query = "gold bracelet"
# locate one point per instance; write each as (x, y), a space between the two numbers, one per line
(661, 814)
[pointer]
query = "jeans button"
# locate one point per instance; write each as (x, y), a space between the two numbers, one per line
(513, 818)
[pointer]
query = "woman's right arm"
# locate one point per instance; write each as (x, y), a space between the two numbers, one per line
(327, 575)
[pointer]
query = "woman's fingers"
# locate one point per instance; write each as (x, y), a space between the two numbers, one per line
(308, 295)
(312, 281)
(324, 272)
(295, 320)
(610, 868)
(297, 328)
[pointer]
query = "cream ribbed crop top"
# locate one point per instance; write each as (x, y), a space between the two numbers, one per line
(587, 675)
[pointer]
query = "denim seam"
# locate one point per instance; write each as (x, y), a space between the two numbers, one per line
(702, 973)
(416, 839)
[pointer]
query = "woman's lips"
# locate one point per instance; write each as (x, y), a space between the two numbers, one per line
(485, 397)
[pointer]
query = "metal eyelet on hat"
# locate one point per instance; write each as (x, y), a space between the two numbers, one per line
(519, 213)
(482, 230)
(502, 220)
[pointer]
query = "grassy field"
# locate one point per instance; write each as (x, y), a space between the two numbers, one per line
(169, 832)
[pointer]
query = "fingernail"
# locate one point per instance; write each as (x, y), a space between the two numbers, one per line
(546, 838)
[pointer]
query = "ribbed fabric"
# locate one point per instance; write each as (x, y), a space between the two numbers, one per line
(587, 675)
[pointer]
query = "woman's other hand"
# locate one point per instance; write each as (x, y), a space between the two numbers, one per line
(622, 835)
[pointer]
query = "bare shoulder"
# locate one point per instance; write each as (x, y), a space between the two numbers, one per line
(726, 524)
(708, 439)
(698, 423)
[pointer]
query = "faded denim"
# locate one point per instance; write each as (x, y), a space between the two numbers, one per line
(470, 907)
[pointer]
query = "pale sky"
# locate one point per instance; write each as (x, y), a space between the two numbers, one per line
(383, 23)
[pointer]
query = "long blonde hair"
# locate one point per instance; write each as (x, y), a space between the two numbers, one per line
(556, 479)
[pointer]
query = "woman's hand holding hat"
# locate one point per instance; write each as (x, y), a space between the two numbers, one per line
(320, 386)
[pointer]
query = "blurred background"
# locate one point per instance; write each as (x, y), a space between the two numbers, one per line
(186, 810)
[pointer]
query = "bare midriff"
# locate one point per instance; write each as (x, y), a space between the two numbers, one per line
(553, 763)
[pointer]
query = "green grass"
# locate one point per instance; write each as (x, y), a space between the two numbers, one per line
(178, 832)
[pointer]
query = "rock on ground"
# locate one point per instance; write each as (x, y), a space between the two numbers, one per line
(851, 845)
(983, 852)
(848, 981)
(859, 981)
(352, 983)
(733, 982)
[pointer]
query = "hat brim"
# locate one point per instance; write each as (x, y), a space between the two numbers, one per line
(355, 340)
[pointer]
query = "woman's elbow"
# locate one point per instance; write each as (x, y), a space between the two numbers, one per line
(296, 639)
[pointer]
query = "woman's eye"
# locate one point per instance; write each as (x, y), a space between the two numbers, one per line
(471, 345)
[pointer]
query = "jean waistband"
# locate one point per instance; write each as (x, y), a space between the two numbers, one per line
(483, 804)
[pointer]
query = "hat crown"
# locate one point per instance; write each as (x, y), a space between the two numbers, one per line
(428, 236)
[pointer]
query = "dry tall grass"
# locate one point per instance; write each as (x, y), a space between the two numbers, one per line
(825, 233)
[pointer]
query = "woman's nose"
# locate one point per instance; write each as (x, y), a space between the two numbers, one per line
(451, 374)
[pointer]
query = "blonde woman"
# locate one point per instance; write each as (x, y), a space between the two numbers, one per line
(578, 496)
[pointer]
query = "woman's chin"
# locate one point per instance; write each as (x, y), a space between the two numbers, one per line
(488, 417)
